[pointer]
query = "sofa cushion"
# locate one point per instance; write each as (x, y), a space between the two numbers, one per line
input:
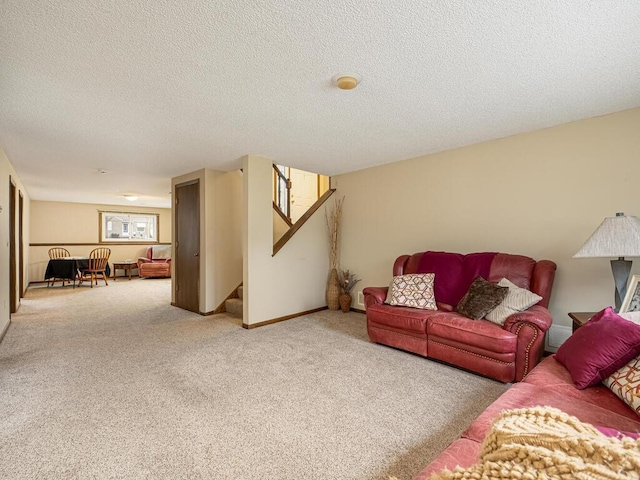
(517, 300)
(517, 268)
(413, 290)
(600, 347)
(551, 375)
(481, 334)
(625, 383)
(151, 269)
(406, 320)
(454, 272)
(481, 298)
(522, 395)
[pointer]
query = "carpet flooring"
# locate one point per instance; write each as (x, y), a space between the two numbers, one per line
(113, 382)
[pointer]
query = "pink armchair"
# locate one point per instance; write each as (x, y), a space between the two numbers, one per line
(157, 262)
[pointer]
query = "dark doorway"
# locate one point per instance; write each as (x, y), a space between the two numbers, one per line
(21, 245)
(187, 268)
(13, 298)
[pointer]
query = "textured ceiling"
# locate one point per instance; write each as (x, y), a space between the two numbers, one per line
(148, 90)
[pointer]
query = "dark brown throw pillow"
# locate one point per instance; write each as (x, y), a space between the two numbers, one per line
(481, 298)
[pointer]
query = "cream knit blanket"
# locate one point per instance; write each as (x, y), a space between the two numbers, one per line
(546, 443)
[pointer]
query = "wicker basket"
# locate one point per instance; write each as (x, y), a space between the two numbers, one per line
(345, 302)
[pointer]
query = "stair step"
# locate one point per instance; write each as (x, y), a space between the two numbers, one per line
(240, 292)
(234, 306)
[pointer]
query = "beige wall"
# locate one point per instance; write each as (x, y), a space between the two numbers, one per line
(294, 279)
(65, 224)
(539, 194)
(227, 231)
(323, 184)
(220, 234)
(280, 227)
(7, 172)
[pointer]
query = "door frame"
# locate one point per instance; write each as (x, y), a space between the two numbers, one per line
(13, 260)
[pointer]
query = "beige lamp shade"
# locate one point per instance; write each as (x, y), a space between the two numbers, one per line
(617, 236)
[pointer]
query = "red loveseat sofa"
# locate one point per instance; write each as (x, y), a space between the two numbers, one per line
(157, 262)
(549, 384)
(506, 353)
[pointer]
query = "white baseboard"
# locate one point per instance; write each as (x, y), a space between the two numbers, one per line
(557, 335)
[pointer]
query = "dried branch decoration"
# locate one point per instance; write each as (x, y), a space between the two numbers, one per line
(333, 227)
(347, 280)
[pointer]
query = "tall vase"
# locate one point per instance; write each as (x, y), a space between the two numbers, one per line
(333, 290)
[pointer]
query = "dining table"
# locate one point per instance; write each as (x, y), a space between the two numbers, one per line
(68, 268)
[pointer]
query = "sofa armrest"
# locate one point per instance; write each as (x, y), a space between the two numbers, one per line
(142, 260)
(536, 315)
(530, 326)
(542, 280)
(374, 295)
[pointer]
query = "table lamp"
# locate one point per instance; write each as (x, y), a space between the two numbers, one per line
(617, 236)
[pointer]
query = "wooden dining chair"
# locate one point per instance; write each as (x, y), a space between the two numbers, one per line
(97, 264)
(54, 253)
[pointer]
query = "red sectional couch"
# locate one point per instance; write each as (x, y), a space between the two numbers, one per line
(506, 353)
(549, 384)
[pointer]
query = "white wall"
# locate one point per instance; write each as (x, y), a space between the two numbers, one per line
(292, 281)
(6, 172)
(220, 234)
(539, 194)
(75, 226)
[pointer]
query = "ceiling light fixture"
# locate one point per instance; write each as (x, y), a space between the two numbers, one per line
(346, 82)
(102, 171)
(131, 198)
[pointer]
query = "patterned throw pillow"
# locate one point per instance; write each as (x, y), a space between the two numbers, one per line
(625, 383)
(414, 290)
(517, 300)
(631, 316)
(481, 298)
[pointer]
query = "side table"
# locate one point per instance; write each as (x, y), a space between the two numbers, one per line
(580, 318)
(127, 266)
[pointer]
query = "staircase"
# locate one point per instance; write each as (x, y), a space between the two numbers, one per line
(234, 305)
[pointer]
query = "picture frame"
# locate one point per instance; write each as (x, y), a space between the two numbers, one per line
(631, 302)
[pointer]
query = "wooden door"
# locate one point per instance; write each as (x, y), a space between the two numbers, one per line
(187, 246)
(304, 192)
(13, 298)
(21, 245)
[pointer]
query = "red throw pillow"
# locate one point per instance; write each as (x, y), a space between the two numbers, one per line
(600, 347)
